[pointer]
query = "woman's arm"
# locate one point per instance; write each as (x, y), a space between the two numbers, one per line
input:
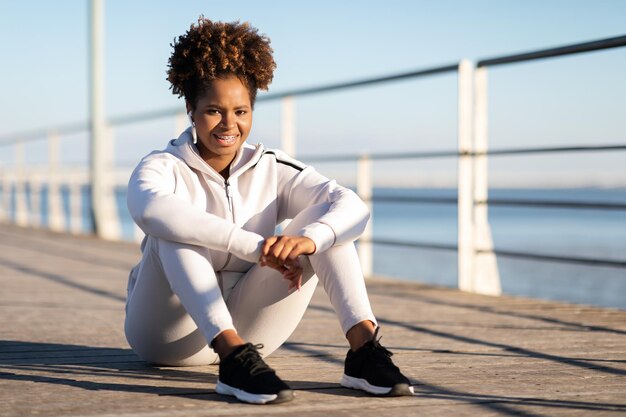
(345, 219)
(299, 188)
(160, 213)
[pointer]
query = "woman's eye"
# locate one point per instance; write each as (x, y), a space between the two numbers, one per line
(241, 112)
(212, 111)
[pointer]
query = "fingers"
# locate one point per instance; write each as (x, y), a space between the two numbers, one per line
(281, 253)
(281, 249)
(289, 267)
(287, 248)
(294, 276)
(269, 242)
(272, 263)
(295, 283)
(292, 272)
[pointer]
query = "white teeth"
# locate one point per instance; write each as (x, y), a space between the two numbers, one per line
(228, 139)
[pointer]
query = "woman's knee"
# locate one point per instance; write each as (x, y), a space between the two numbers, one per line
(167, 248)
(307, 216)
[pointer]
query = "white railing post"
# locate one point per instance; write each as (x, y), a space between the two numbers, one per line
(112, 228)
(76, 207)
(56, 219)
(465, 193)
(364, 190)
(5, 201)
(35, 200)
(21, 208)
(486, 276)
(288, 136)
(103, 203)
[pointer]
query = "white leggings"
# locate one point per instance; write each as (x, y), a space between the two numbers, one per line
(176, 307)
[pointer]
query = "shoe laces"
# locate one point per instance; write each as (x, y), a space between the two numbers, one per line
(250, 358)
(379, 350)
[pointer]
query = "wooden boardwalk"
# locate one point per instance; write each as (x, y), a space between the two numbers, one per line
(63, 352)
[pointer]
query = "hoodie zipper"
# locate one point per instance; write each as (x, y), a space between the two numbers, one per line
(230, 201)
(232, 213)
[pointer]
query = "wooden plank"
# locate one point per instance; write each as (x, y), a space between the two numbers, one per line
(63, 351)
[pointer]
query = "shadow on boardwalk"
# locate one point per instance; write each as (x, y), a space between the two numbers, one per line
(119, 370)
(63, 352)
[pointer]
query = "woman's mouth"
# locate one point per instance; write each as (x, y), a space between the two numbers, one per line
(226, 139)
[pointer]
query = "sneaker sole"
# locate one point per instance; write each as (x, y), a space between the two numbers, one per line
(241, 395)
(397, 390)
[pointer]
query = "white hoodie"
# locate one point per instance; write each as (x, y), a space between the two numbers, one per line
(175, 195)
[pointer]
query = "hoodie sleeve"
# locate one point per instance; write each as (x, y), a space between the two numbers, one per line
(161, 213)
(346, 217)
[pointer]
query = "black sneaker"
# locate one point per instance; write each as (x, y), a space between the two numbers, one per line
(246, 376)
(370, 369)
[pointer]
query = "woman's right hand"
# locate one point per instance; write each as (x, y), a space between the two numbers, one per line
(281, 253)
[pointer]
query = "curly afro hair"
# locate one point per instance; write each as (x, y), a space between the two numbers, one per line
(211, 50)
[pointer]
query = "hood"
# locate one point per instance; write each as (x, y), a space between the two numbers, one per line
(183, 148)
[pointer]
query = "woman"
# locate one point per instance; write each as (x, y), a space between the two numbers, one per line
(215, 284)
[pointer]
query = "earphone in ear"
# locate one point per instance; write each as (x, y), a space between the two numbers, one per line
(193, 128)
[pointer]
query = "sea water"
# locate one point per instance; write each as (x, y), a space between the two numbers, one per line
(595, 234)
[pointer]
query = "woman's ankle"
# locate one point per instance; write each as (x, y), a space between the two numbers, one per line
(360, 334)
(226, 342)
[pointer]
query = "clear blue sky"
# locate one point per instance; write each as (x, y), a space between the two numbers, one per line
(568, 100)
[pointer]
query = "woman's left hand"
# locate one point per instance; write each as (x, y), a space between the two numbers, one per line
(281, 253)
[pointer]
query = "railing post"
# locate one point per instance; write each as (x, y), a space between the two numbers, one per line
(288, 136)
(76, 207)
(465, 193)
(35, 200)
(111, 226)
(364, 190)
(102, 198)
(56, 220)
(5, 214)
(21, 209)
(486, 277)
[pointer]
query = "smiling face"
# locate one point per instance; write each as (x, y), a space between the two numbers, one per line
(223, 119)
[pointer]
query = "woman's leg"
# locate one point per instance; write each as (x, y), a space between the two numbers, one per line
(175, 306)
(264, 312)
(340, 272)
(159, 324)
(175, 309)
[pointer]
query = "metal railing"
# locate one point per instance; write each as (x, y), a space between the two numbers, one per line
(477, 268)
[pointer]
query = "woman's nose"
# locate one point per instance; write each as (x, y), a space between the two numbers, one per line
(227, 121)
